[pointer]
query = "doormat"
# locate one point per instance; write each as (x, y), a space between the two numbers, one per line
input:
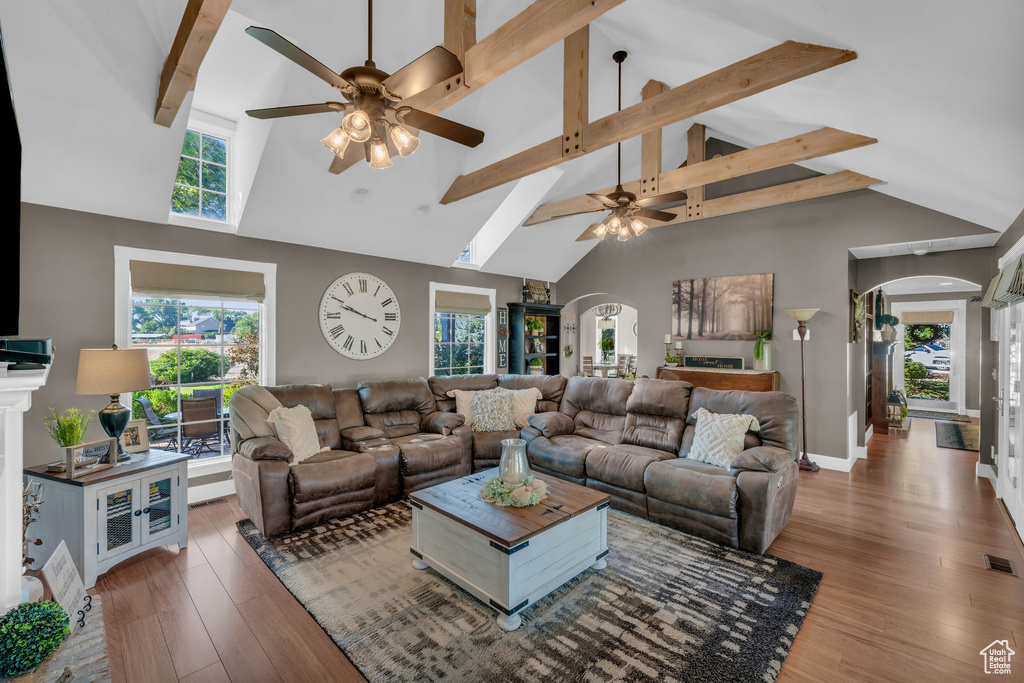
(958, 436)
(668, 607)
(935, 415)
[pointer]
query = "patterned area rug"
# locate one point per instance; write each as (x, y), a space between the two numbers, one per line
(668, 607)
(935, 415)
(958, 436)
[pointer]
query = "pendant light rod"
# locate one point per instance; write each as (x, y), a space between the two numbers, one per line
(369, 34)
(619, 57)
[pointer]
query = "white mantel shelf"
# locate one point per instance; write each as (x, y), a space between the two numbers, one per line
(16, 389)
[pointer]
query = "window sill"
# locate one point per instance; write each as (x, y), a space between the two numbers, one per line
(467, 266)
(207, 466)
(201, 223)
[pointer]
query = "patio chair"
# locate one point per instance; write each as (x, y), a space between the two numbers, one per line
(200, 426)
(159, 431)
(210, 393)
(588, 366)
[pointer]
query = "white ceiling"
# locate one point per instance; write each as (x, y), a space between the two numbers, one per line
(929, 284)
(934, 84)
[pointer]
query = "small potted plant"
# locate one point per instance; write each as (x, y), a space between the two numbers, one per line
(535, 327)
(889, 323)
(536, 366)
(671, 361)
(763, 351)
(68, 428)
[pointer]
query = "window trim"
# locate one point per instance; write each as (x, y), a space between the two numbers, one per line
(224, 129)
(267, 329)
(490, 327)
(472, 263)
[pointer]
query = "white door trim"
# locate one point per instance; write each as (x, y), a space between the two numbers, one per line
(958, 345)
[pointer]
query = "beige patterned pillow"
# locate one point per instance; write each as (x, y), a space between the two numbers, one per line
(295, 428)
(464, 401)
(493, 412)
(525, 403)
(719, 437)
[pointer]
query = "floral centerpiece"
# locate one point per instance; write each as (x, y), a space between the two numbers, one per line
(530, 492)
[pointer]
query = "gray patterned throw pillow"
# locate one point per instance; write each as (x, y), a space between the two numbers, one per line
(718, 438)
(493, 412)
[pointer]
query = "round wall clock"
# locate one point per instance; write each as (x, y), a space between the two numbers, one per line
(359, 316)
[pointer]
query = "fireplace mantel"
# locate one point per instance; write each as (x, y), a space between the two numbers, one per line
(16, 389)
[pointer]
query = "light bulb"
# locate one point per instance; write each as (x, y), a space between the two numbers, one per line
(601, 230)
(405, 141)
(624, 233)
(356, 125)
(337, 142)
(379, 157)
(639, 227)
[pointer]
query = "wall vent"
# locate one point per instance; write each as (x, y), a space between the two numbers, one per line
(216, 501)
(1000, 564)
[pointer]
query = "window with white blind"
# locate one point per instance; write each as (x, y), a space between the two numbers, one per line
(462, 330)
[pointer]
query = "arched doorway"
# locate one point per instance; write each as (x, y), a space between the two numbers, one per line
(591, 318)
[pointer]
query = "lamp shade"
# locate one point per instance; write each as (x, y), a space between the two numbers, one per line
(801, 314)
(113, 371)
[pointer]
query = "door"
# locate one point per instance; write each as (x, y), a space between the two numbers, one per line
(1011, 427)
(118, 509)
(929, 356)
(160, 510)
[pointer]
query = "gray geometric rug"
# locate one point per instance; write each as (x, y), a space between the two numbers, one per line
(668, 607)
(957, 436)
(936, 415)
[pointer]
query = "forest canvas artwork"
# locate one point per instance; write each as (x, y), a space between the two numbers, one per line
(734, 307)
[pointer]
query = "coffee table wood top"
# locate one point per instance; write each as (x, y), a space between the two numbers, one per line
(509, 526)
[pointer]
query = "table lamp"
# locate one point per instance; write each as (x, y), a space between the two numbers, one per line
(113, 371)
(801, 316)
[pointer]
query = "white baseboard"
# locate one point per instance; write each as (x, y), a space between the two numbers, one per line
(831, 462)
(869, 432)
(973, 413)
(217, 489)
(987, 472)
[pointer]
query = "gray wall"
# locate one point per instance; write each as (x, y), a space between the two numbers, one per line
(67, 290)
(973, 265)
(806, 245)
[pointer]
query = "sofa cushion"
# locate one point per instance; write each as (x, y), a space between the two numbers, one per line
(493, 412)
(776, 412)
(487, 445)
(524, 403)
(317, 397)
(718, 439)
(430, 455)
(563, 454)
(692, 484)
(656, 414)
(331, 473)
(418, 437)
(597, 406)
(397, 395)
(397, 423)
(441, 385)
(347, 409)
(464, 401)
(623, 465)
(295, 429)
(551, 387)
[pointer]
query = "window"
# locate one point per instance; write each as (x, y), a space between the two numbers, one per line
(462, 330)
(467, 254)
(201, 186)
(198, 349)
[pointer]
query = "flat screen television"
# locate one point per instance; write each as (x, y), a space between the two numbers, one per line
(10, 206)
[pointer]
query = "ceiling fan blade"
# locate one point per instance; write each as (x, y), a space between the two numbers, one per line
(295, 110)
(603, 199)
(426, 70)
(577, 213)
(667, 198)
(442, 127)
(288, 49)
(662, 216)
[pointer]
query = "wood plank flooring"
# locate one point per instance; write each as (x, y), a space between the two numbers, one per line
(900, 540)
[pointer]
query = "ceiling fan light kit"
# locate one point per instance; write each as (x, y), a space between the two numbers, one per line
(372, 116)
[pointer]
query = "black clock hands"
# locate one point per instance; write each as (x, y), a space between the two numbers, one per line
(349, 308)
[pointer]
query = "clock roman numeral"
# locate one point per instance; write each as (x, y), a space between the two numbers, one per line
(362, 285)
(362, 346)
(388, 332)
(376, 290)
(391, 316)
(387, 302)
(348, 343)
(333, 316)
(337, 331)
(348, 288)
(378, 343)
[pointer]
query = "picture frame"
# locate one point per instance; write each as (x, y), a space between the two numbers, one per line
(135, 437)
(714, 362)
(536, 292)
(725, 307)
(79, 459)
(858, 316)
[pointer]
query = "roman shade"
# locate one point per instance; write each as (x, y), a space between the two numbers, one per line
(461, 302)
(170, 280)
(1007, 287)
(927, 318)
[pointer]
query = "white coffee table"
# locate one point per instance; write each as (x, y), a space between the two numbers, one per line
(507, 557)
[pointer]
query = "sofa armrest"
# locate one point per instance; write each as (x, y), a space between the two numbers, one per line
(552, 424)
(441, 423)
(760, 459)
(528, 434)
(264, 448)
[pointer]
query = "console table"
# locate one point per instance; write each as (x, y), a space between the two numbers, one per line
(113, 514)
(716, 378)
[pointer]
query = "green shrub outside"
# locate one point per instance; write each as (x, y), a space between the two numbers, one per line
(197, 365)
(29, 634)
(935, 390)
(915, 370)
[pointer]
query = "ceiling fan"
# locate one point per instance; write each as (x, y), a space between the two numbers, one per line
(374, 116)
(626, 210)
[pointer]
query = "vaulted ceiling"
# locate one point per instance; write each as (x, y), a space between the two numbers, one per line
(936, 85)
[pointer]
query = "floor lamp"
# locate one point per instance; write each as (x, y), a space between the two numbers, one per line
(801, 316)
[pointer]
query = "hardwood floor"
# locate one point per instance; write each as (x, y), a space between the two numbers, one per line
(900, 540)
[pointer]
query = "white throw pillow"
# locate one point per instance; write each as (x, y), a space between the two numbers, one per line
(295, 428)
(464, 401)
(525, 404)
(719, 437)
(493, 412)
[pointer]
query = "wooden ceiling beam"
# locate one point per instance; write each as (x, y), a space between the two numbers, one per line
(650, 148)
(819, 143)
(199, 25)
(696, 138)
(773, 67)
(459, 27)
(812, 188)
(575, 91)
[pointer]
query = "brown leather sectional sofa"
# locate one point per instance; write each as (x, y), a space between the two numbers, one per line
(628, 439)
